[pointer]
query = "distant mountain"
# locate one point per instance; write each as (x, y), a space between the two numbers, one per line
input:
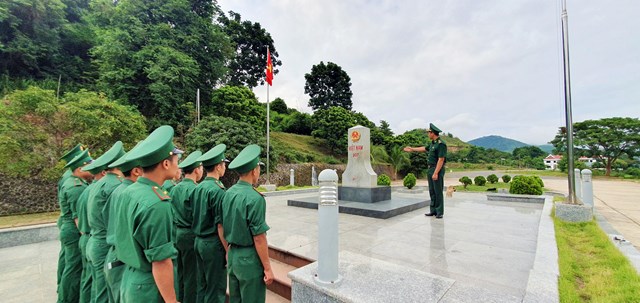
(497, 142)
(547, 148)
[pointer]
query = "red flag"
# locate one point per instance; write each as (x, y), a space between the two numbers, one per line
(269, 68)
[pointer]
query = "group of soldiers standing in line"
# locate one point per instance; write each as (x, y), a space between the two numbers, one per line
(129, 233)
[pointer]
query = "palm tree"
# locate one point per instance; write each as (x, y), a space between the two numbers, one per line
(398, 159)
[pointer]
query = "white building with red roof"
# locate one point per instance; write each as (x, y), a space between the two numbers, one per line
(551, 161)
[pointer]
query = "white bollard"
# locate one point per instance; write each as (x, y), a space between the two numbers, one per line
(328, 228)
(292, 177)
(314, 176)
(578, 183)
(587, 188)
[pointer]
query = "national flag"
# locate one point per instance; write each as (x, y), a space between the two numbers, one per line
(269, 68)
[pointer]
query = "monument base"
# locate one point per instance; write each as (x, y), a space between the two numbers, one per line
(380, 210)
(364, 194)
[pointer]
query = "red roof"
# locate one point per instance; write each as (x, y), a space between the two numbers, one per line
(553, 157)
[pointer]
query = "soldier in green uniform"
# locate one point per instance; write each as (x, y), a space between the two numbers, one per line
(436, 156)
(70, 191)
(210, 245)
(114, 268)
(81, 217)
(68, 156)
(97, 247)
(244, 210)
(169, 184)
(145, 235)
(182, 210)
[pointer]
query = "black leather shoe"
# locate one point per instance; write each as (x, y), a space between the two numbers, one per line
(429, 214)
(439, 217)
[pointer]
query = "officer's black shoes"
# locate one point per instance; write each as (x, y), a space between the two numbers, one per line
(429, 214)
(439, 217)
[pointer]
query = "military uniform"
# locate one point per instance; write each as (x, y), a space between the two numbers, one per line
(437, 149)
(97, 247)
(210, 253)
(181, 201)
(244, 211)
(145, 225)
(169, 184)
(85, 232)
(113, 267)
(68, 156)
(70, 192)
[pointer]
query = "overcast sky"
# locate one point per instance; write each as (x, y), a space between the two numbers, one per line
(473, 68)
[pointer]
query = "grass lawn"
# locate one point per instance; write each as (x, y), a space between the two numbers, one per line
(533, 172)
(592, 269)
(286, 187)
(476, 188)
(28, 219)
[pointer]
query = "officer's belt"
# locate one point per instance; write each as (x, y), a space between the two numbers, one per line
(114, 264)
(208, 236)
(239, 246)
(184, 227)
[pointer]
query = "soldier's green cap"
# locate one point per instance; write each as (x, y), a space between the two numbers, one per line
(101, 163)
(434, 129)
(192, 161)
(214, 155)
(247, 159)
(83, 158)
(123, 163)
(155, 148)
(72, 153)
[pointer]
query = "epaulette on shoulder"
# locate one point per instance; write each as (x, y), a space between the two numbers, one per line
(220, 184)
(161, 193)
(258, 192)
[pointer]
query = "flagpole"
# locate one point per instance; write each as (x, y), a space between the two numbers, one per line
(567, 99)
(268, 125)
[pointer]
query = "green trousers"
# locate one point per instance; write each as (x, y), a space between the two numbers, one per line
(212, 278)
(97, 250)
(246, 284)
(60, 260)
(69, 289)
(113, 276)
(86, 278)
(138, 286)
(186, 264)
(435, 191)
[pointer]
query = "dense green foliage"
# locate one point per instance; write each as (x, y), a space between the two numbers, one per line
(333, 123)
(36, 128)
(251, 41)
(492, 178)
(607, 138)
(409, 181)
(466, 181)
(497, 142)
(384, 180)
(328, 85)
(480, 180)
(279, 106)
(525, 185)
(506, 178)
(238, 103)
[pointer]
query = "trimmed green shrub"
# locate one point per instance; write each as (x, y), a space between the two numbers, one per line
(465, 181)
(409, 181)
(492, 178)
(506, 178)
(489, 167)
(525, 185)
(480, 181)
(537, 178)
(384, 180)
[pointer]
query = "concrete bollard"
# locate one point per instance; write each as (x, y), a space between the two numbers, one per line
(314, 176)
(587, 188)
(578, 183)
(328, 228)
(292, 177)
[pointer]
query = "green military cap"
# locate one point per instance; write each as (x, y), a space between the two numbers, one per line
(83, 158)
(155, 148)
(72, 153)
(434, 129)
(192, 161)
(214, 155)
(123, 163)
(101, 163)
(247, 159)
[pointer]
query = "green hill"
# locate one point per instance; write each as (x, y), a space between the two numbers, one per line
(293, 148)
(497, 142)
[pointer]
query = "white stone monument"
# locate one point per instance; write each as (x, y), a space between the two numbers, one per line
(359, 172)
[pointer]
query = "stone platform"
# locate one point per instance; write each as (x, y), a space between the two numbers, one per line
(365, 195)
(379, 210)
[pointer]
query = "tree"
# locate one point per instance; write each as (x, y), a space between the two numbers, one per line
(36, 128)
(155, 55)
(466, 181)
(328, 85)
(238, 103)
(332, 125)
(528, 152)
(385, 128)
(480, 180)
(279, 106)
(492, 178)
(247, 68)
(297, 123)
(398, 159)
(606, 139)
